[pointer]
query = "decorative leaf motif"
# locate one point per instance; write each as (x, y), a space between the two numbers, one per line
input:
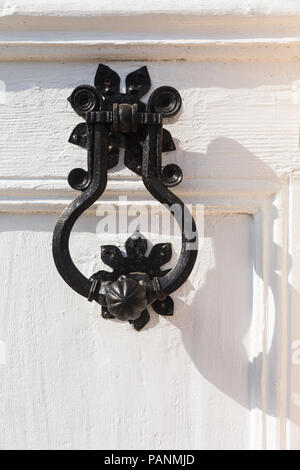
(136, 246)
(142, 321)
(164, 307)
(160, 255)
(168, 144)
(138, 83)
(79, 136)
(112, 256)
(107, 81)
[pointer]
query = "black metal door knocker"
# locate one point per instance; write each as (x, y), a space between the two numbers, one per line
(115, 120)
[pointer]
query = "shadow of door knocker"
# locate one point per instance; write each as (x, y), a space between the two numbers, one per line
(117, 120)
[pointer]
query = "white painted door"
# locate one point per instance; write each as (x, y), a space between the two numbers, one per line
(223, 373)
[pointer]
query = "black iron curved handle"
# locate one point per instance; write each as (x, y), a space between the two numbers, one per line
(115, 120)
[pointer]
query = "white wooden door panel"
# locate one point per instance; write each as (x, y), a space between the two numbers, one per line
(131, 390)
(223, 373)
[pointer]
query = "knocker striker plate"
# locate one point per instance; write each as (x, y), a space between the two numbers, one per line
(115, 120)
